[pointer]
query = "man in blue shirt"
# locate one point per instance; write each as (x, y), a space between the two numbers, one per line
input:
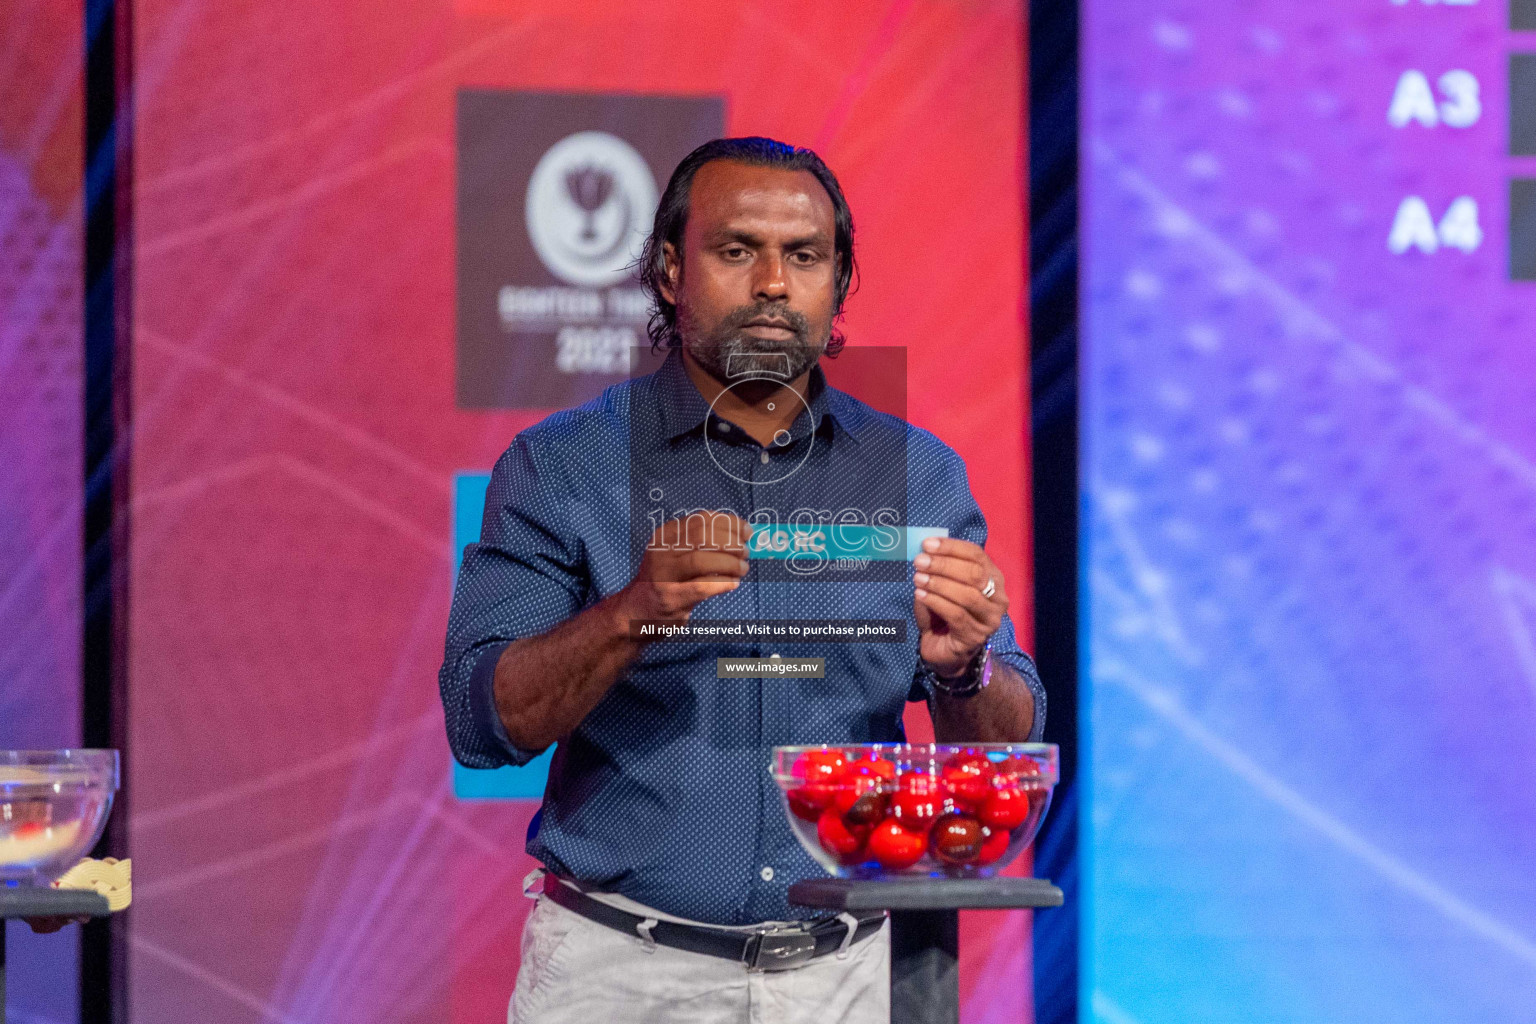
(667, 847)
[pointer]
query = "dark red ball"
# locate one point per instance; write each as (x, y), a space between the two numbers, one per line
(956, 839)
(866, 810)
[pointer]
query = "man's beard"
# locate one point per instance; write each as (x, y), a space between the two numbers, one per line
(729, 354)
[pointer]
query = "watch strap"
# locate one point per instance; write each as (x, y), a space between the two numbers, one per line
(969, 683)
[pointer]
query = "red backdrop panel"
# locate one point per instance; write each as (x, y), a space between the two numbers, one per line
(299, 853)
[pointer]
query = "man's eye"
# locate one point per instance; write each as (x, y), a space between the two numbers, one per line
(736, 252)
(806, 258)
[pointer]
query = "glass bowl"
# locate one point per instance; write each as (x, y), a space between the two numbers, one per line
(959, 810)
(53, 808)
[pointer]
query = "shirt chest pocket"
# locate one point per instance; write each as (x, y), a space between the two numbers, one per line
(890, 602)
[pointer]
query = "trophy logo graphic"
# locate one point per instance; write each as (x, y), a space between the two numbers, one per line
(556, 195)
(590, 203)
(590, 187)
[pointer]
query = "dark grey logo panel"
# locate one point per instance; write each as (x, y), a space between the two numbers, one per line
(1522, 229)
(1522, 104)
(556, 192)
(1522, 15)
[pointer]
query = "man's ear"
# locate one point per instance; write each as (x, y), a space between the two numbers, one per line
(673, 261)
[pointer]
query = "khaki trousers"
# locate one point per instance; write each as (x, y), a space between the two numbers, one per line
(575, 971)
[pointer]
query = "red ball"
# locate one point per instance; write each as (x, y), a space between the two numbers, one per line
(894, 847)
(993, 846)
(820, 766)
(969, 778)
(838, 839)
(873, 765)
(919, 801)
(1020, 769)
(852, 785)
(808, 802)
(822, 772)
(956, 839)
(1006, 808)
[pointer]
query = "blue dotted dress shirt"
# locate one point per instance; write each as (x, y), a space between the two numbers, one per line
(663, 793)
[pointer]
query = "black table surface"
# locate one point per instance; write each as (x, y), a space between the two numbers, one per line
(46, 901)
(920, 893)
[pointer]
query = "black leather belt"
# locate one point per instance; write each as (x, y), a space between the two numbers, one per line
(772, 950)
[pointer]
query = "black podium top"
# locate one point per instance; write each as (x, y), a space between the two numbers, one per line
(920, 893)
(46, 901)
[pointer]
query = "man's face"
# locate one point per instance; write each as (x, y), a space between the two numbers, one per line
(756, 283)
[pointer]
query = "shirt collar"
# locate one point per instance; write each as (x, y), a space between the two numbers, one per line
(683, 408)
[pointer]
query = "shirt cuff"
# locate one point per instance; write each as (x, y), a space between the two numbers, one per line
(482, 689)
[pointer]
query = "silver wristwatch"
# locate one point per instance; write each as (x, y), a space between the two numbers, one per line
(968, 684)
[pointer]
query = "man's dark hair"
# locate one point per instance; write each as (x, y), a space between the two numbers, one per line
(672, 217)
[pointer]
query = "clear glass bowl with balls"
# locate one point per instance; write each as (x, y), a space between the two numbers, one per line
(53, 808)
(959, 810)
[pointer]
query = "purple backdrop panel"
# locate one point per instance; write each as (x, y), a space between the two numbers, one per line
(1311, 491)
(40, 429)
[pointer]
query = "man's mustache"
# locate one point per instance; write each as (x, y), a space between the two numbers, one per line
(739, 319)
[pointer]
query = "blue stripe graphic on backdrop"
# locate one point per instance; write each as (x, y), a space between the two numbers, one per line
(506, 783)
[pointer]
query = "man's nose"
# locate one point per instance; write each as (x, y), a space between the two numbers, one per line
(771, 283)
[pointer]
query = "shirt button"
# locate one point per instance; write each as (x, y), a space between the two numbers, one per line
(763, 458)
(724, 427)
(766, 874)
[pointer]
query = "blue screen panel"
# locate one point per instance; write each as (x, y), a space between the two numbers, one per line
(1310, 514)
(506, 783)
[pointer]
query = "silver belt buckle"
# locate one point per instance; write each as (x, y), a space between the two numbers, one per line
(778, 950)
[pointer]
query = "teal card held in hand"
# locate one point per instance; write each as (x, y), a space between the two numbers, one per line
(840, 540)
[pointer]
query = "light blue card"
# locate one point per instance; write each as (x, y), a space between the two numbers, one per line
(840, 540)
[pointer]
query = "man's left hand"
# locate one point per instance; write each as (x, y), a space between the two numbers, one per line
(955, 615)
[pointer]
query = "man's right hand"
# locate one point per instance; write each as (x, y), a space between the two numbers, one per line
(545, 685)
(687, 561)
